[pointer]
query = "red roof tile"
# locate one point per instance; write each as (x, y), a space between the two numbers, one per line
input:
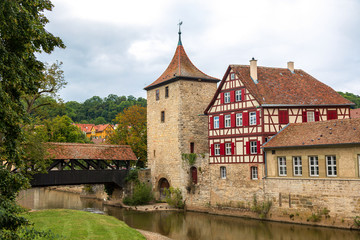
(85, 127)
(90, 151)
(101, 127)
(280, 86)
(355, 113)
(333, 132)
(180, 67)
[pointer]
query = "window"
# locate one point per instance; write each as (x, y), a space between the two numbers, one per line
(282, 166)
(216, 122)
(252, 118)
(310, 116)
(227, 121)
(217, 149)
(266, 139)
(254, 173)
(193, 171)
(166, 92)
(297, 166)
(314, 166)
(154, 153)
(253, 147)
(238, 95)
(227, 97)
(223, 172)
(157, 94)
(331, 166)
(331, 114)
(239, 119)
(283, 117)
(192, 147)
(232, 76)
(162, 116)
(228, 148)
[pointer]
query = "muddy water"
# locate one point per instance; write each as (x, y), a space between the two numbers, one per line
(188, 225)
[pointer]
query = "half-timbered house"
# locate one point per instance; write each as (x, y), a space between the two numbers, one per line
(251, 105)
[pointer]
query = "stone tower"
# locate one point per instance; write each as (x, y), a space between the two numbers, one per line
(175, 123)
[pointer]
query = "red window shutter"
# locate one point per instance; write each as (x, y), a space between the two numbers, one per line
(257, 117)
(304, 116)
(222, 98)
(233, 120)
(222, 148)
(246, 118)
(332, 114)
(232, 96)
(243, 94)
(212, 150)
(258, 147)
(211, 119)
(221, 121)
(232, 148)
(317, 116)
(247, 147)
(283, 117)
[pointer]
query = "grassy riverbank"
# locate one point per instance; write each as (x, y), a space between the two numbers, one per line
(71, 224)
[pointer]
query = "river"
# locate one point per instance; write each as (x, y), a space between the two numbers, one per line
(184, 225)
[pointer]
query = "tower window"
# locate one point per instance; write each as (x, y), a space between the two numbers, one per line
(192, 147)
(166, 92)
(157, 95)
(162, 116)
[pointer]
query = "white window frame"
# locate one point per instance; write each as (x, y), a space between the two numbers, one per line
(282, 166)
(310, 116)
(223, 172)
(217, 149)
(313, 167)
(227, 148)
(252, 117)
(227, 97)
(232, 76)
(331, 169)
(253, 147)
(254, 172)
(227, 121)
(239, 120)
(238, 96)
(216, 122)
(297, 166)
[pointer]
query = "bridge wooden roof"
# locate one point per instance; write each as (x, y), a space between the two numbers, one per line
(86, 151)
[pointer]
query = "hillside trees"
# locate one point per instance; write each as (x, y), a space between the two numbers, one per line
(22, 34)
(132, 131)
(352, 97)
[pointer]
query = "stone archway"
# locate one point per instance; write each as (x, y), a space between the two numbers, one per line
(163, 184)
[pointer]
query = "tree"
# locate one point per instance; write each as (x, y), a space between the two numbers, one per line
(352, 97)
(22, 34)
(50, 83)
(131, 130)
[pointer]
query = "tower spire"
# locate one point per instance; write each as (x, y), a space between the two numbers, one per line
(180, 43)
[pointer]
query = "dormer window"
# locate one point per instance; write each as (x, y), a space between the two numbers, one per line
(232, 76)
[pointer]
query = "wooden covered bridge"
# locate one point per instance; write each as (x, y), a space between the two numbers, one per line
(78, 163)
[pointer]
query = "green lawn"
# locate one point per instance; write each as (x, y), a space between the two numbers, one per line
(71, 224)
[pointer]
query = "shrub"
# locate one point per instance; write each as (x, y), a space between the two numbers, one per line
(142, 195)
(357, 221)
(261, 208)
(132, 176)
(89, 188)
(174, 197)
(315, 217)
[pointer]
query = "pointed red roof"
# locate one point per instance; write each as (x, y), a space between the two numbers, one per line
(180, 67)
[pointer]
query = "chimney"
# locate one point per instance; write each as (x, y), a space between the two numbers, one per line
(253, 70)
(291, 66)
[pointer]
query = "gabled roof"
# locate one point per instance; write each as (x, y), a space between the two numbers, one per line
(90, 151)
(280, 86)
(355, 113)
(180, 67)
(333, 132)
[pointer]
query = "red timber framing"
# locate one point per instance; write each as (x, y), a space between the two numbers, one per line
(237, 119)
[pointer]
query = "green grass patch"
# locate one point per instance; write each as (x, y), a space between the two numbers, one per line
(71, 224)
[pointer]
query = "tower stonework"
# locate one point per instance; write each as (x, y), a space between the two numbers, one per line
(175, 121)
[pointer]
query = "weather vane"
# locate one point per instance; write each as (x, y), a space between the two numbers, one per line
(180, 23)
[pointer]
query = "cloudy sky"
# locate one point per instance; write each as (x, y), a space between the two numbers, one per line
(119, 47)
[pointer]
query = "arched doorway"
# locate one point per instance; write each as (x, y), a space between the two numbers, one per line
(163, 184)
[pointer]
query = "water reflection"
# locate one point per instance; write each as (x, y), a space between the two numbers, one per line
(188, 225)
